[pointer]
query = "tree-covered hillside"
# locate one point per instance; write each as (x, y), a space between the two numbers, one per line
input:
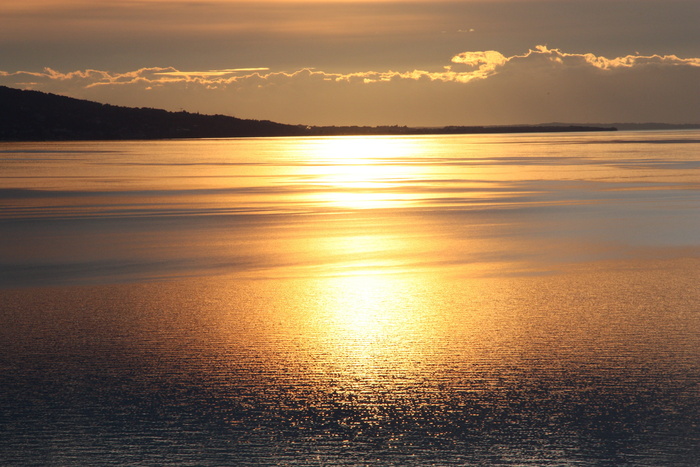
(36, 116)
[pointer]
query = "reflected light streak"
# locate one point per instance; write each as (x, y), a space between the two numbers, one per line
(363, 172)
(370, 328)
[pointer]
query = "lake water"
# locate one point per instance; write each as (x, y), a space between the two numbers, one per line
(449, 300)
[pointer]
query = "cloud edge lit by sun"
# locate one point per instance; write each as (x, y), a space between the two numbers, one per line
(257, 91)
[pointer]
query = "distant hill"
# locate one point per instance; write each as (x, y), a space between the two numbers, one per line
(38, 116)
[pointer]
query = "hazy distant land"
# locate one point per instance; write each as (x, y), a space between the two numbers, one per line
(38, 116)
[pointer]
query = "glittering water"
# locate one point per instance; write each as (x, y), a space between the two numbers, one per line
(466, 300)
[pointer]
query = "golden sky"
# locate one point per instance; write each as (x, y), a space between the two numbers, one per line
(365, 62)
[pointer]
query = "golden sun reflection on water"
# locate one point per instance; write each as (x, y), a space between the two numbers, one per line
(369, 329)
(362, 149)
(241, 297)
(362, 172)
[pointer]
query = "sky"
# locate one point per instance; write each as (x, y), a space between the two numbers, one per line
(391, 62)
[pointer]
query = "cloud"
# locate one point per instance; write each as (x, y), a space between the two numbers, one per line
(477, 87)
(603, 63)
(209, 73)
(486, 63)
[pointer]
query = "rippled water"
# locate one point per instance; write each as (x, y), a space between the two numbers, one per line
(451, 300)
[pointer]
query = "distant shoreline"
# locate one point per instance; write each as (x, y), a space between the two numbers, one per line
(27, 116)
(450, 130)
(63, 135)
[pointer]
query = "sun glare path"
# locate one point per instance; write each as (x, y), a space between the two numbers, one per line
(365, 321)
(363, 172)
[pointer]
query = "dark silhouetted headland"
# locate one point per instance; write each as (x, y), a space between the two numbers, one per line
(38, 116)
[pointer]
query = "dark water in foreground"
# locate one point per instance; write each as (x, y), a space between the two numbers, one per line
(469, 300)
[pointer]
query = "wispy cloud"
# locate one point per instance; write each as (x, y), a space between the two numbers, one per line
(209, 73)
(477, 65)
(544, 83)
(604, 63)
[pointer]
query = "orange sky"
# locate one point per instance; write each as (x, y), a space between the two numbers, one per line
(367, 62)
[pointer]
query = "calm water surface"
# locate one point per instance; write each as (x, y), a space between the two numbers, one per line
(450, 300)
